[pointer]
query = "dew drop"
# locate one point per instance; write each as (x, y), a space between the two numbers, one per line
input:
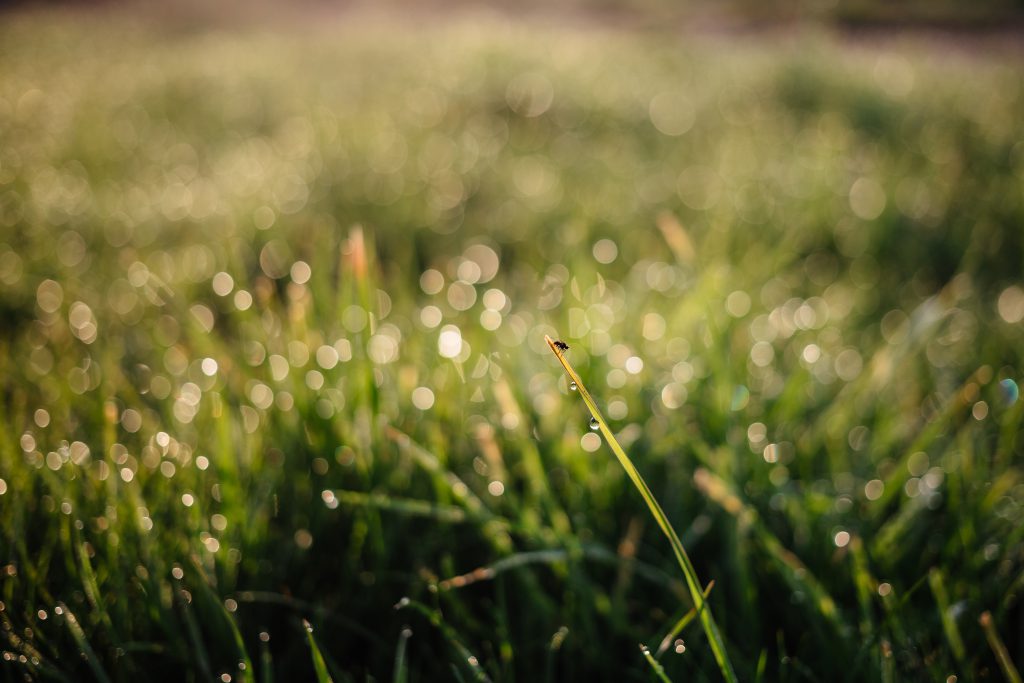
(572, 386)
(594, 424)
(1010, 391)
(680, 646)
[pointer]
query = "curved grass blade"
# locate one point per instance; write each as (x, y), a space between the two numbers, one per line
(266, 661)
(550, 556)
(406, 506)
(467, 658)
(689, 572)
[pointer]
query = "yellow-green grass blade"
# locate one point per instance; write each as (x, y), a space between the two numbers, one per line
(683, 622)
(319, 665)
(406, 506)
(999, 648)
(656, 666)
(689, 572)
(552, 556)
(956, 643)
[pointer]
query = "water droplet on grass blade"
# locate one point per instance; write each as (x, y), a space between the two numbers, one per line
(594, 424)
(1010, 391)
(572, 386)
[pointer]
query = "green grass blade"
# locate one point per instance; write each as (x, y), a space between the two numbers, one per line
(406, 506)
(956, 643)
(865, 584)
(999, 648)
(429, 462)
(656, 666)
(888, 663)
(204, 588)
(558, 555)
(692, 581)
(83, 644)
(466, 658)
(266, 662)
(792, 569)
(202, 659)
(683, 622)
(762, 664)
(319, 665)
(401, 674)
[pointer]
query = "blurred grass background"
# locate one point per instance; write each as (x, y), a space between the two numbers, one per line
(272, 327)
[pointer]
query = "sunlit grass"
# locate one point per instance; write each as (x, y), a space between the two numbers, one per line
(272, 319)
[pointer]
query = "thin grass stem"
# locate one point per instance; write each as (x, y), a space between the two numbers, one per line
(689, 572)
(999, 648)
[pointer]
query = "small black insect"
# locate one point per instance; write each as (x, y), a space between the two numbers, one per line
(561, 345)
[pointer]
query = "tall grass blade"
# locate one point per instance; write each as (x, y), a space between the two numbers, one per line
(319, 665)
(689, 572)
(266, 663)
(205, 591)
(401, 674)
(466, 658)
(888, 663)
(999, 648)
(202, 659)
(956, 643)
(656, 666)
(83, 645)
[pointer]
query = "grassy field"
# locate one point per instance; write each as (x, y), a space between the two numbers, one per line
(272, 319)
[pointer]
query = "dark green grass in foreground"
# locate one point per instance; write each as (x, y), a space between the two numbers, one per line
(790, 278)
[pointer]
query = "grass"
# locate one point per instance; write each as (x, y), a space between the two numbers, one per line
(598, 422)
(272, 319)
